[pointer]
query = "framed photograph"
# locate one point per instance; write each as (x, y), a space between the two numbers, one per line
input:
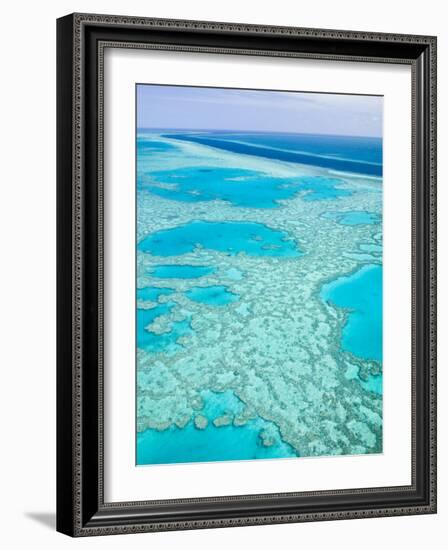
(246, 274)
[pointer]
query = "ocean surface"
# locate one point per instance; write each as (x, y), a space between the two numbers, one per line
(344, 153)
(240, 187)
(359, 295)
(229, 237)
(255, 438)
(259, 296)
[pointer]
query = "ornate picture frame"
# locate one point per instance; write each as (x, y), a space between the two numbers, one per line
(81, 43)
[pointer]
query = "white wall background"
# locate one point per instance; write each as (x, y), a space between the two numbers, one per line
(27, 289)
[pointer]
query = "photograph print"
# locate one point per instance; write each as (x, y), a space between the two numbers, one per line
(258, 274)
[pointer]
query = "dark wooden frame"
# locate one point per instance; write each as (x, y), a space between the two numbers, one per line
(81, 39)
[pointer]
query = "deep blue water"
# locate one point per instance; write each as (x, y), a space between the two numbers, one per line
(343, 153)
(360, 217)
(240, 187)
(181, 271)
(190, 444)
(255, 239)
(361, 295)
(217, 295)
(364, 149)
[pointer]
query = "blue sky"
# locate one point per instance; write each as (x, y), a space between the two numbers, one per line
(187, 107)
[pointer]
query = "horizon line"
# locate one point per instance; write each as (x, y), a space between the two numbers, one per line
(232, 130)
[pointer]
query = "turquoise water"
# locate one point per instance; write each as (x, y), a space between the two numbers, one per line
(147, 145)
(188, 444)
(361, 295)
(149, 340)
(152, 293)
(191, 444)
(234, 274)
(216, 404)
(318, 188)
(353, 218)
(375, 248)
(260, 327)
(255, 239)
(160, 342)
(239, 187)
(181, 271)
(212, 295)
(374, 382)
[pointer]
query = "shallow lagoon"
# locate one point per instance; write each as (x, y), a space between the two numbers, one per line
(246, 188)
(181, 271)
(360, 294)
(374, 383)
(167, 341)
(188, 444)
(371, 382)
(212, 443)
(212, 295)
(153, 293)
(232, 237)
(147, 145)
